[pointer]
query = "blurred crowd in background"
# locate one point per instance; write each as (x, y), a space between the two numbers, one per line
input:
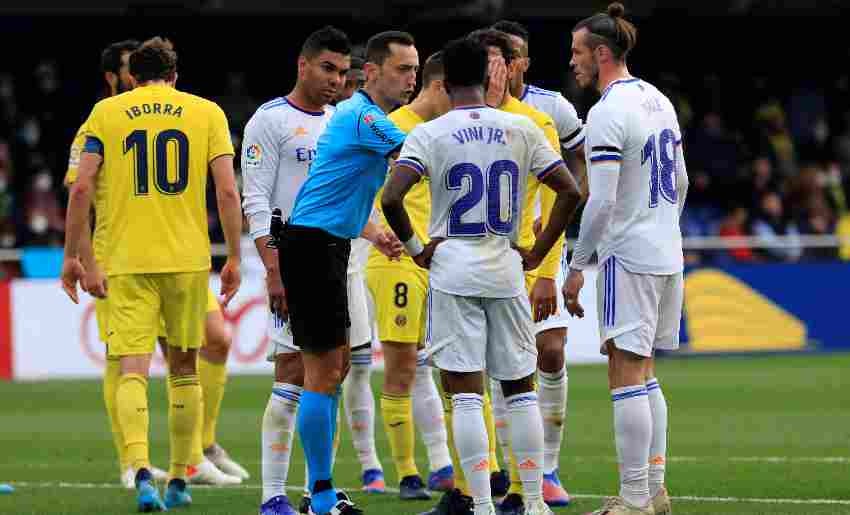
(782, 169)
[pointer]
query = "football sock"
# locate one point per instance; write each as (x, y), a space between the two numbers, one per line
(500, 418)
(316, 420)
(490, 424)
(633, 434)
(184, 417)
(359, 408)
(213, 378)
(526, 428)
(658, 447)
(552, 392)
(428, 416)
(131, 398)
(470, 435)
(460, 478)
(111, 377)
(277, 437)
(397, 411)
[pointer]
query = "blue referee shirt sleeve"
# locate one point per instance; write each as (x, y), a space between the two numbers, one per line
(377, 133)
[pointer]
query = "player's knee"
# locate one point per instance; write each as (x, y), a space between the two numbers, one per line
(518, 386)
(289, 369)
(550, 356)
(182, 363)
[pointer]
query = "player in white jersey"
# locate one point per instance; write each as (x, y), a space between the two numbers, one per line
(477, 160)
(552, 379)
(278, 146)
(638, 184)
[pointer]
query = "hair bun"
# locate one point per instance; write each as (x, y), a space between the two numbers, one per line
(616, 10)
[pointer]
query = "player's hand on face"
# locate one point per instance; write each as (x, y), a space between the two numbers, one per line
(529, 260)
(389, 245)
(423, 260)
(231, 278)
(543, 298)
(277, 295)
(72, 273)
(572, 287)
(498, 80)
(94, 282)
(537, 227)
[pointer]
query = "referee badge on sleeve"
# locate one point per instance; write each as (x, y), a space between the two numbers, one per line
(253, 155)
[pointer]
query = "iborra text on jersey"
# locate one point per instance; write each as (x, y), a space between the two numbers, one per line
(154, 108)
(494, 135)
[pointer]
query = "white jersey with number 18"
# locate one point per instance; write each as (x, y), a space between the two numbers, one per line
(635, 124)
(477, 160)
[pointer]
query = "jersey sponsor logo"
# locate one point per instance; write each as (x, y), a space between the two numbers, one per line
(253, 155)
(305, 155)
(370, 120)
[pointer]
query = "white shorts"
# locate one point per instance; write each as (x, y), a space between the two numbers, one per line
(559, 320)
(640, 312)
(360, 332)
(475, 334)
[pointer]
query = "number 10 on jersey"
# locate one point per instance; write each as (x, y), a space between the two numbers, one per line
(137, 143)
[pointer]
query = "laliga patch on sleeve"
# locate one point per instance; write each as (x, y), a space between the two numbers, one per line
(253, 155)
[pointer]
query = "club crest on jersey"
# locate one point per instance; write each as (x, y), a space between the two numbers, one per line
(253, 155)
(401, 320)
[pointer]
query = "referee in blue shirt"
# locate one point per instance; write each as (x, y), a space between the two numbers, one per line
(331, 209)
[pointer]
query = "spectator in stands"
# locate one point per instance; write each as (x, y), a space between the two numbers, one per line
(714, 149)
(7, 199)
(818, 220)
(775, 138)
(735, 226)
(44, 218)
(769, 224)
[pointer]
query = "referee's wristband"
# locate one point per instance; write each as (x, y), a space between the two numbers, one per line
(414, 246)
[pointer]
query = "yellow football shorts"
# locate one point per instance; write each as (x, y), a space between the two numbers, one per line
(399, 291)
(212, 306)
(139, 301)
(101, 315)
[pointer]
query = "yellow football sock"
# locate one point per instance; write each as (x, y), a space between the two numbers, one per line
(184, 417)
(197, 451)
(131, 399)
(516, 484)
(460, 479)
(490, 422)
(397, 411)
(111, 376)
(213, 380)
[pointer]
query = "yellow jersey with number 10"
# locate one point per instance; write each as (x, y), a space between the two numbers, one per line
(157, 143)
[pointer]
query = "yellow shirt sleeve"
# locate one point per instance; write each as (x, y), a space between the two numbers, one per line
(74, 155)
(549, 266)
(220, 142)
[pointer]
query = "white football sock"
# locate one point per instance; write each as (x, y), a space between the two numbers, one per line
(278, 430)
(526, 427)
(428, 415)
(552, 392)
(470, 436)
(658, 448)
(633, 433)
(500, 418)
(359, 404)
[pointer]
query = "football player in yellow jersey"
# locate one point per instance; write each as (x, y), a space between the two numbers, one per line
(115, 67)
(153, 147)
(399, 290)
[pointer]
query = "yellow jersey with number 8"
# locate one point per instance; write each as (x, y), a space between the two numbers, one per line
(157, 143)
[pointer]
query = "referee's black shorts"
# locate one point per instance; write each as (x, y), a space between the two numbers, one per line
(313, 267)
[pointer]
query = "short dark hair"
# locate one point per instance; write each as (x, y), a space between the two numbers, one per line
(327, 38)
(610, 29)
(513, 28)
(496, 38)
(155, 59)
(378, 46)
(110, 58)
(465, 63)
(433, 69)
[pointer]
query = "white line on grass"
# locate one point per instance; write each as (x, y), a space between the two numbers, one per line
(756, 500)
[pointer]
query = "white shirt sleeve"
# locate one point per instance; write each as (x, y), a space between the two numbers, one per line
(606, 136)
(570, 127)
(414, 153)
(681, 174)
(260, 156)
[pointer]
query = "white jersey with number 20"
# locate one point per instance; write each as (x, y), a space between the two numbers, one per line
(477, 160)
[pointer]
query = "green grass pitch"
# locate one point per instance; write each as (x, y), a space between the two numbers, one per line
(747, 436)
